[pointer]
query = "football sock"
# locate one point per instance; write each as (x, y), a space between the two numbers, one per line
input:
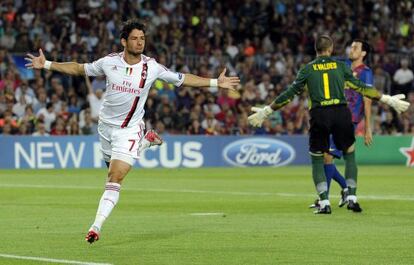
(351, 172)
(324, 202)
(108, 201)
(351, 198)
(319, 178)
(328, 173)
(332, 172)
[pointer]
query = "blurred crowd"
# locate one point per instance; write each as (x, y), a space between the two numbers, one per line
(263, 42)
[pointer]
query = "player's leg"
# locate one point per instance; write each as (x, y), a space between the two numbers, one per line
(332, 172)
(351, 174)
(327, 166)
(344, 139)
(124, 145)
(118, 169)
(330, 168)
(106, 149)
(318, 145)
(328, 162)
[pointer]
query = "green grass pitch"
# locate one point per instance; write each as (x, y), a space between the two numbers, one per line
(265, 220)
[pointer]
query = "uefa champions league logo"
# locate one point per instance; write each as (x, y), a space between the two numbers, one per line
(259, 152)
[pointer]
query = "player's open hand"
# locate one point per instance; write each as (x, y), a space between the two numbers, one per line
(396, 102)
(228, 82)
(261, 114)
(368, 136)
(35, 62)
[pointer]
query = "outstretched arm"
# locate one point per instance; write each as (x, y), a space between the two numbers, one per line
(359, 86)
(284, 98)
(40, 62)
(223, 81)
(370, 92)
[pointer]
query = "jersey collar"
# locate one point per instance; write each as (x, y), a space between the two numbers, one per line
(123, 60)
(361, 66)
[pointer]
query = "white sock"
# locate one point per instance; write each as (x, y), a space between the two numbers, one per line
(323, 203)
(351, 198)
(108, 201)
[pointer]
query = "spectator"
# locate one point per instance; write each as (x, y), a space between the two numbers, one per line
(24, 89)
(403, 79)
(7, 40)
(7, 129)
(99, 83)
(88, 127)
(73, 128)
(23, 43)
(40, 130)
(209, 124)
(41, 101)
(23, 129)
(20, 106)
(265, 86)
(382, 80)
(195, 128)
(95, 100)
(260, 41)
(47, 115)
(58, 127)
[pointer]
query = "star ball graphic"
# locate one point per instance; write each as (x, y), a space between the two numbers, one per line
(408, 152)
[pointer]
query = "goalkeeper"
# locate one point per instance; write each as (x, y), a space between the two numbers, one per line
(326, 79)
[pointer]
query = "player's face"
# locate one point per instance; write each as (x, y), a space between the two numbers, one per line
(135, 43)
(356, 51)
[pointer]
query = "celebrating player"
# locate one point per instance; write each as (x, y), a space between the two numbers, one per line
(359, 106)
(129, 77)
(326, 79)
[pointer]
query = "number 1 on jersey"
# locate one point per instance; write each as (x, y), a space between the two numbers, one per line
(326, 86)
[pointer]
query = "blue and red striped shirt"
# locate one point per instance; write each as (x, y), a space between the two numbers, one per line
(356, 100)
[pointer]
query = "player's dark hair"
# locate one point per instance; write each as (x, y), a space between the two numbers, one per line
(323, 43)
(129, 26)
(365, 47)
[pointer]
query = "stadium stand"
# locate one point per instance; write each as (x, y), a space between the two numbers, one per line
(263, 42)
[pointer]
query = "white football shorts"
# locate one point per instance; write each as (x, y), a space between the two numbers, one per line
(120, 143)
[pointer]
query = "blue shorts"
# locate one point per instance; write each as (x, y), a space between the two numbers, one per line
(333, 151)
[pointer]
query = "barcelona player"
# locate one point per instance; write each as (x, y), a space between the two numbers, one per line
(326, 79)
(360, 108)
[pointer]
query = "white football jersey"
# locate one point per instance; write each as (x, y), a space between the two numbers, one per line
(127, 86)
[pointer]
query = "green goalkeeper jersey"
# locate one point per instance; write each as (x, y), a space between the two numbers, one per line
(325, 79)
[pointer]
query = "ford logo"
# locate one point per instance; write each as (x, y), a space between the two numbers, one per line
(258, 152)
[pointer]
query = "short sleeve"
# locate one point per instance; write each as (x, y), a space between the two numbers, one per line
(95, 68)
(367, 77)
(166, 75)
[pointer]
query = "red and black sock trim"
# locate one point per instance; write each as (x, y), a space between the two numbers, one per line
(112, 187)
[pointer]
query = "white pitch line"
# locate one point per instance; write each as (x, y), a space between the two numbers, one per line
(64, 261)
(206, 214)
(236, 193)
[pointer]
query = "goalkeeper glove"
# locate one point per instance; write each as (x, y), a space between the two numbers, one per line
(261, 114)
(396, 102)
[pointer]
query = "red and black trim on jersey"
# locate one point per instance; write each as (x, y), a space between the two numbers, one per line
(135, 103)
(113, 54)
